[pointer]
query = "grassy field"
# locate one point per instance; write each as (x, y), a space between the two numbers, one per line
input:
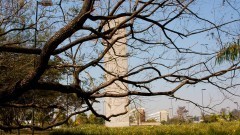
(225, 128)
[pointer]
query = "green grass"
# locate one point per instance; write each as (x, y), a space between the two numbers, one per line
(226, 128)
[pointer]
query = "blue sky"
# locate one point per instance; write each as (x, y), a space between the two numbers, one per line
(212, 10)
(207, 43)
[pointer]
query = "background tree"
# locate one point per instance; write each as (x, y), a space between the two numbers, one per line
(235, 114)
(95, 120)
(82, 119)
(15, 66)
(172, 45)
(209, 118)
(182, 113)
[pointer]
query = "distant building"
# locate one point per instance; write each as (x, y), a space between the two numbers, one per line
(159, 116)
(164, 115)
(137, 115)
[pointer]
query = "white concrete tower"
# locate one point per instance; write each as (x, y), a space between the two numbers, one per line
(116, 62)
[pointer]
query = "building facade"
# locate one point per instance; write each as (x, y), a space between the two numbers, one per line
(159, 116)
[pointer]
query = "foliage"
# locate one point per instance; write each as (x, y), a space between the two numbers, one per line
(14, 67)
(164, 122)
(82, 119)
(176, 120)
(232, 128)
(229, 53)
(235, 114)
(222, 117)
(211, 118)
(7, 116)
(151, 120)
(95, 120)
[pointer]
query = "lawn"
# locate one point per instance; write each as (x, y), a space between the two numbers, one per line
(223, 128)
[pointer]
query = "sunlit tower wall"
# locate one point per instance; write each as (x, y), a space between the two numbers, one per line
(116, 62)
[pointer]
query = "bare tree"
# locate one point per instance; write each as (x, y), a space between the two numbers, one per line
(161, 41)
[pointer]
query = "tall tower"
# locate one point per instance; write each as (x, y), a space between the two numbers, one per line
(116, 62)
